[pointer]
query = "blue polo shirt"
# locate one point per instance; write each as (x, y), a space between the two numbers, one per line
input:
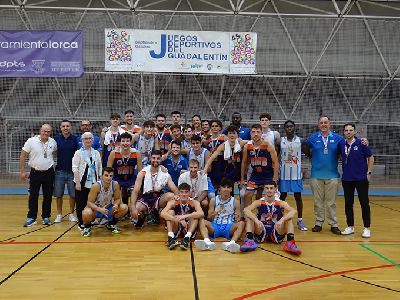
(244, 133)
(95, 145)
(66, 148)
(174, 169)
(324, 166)
(355, 168)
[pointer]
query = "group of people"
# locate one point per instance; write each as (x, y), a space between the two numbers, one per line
(185, 174)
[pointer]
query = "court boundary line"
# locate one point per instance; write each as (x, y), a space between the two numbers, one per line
(291, 283)
(195, 286)
(379, 255)
(325, 270)
(34, 256)
(384, 206)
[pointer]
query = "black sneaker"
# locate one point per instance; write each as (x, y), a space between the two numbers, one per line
(154, 219)
(140, 222)
(172, 243)
(185, 243)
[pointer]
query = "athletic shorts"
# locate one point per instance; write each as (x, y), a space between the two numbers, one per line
(253, 184)
(291, 186)
(269, 236)
(222, 230)
(150, 200)
(109, 215)
(182, 230)
(62, 178)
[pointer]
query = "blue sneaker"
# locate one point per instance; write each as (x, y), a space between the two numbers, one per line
(29, 222)
(249, 245)
(290, 246)
(301, 225)
(46, 221)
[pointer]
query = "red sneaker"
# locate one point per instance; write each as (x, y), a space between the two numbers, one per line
(290, 246)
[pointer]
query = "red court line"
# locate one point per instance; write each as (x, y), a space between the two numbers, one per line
(280, 286)
(14, 242)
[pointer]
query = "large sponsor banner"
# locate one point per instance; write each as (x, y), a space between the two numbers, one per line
(171, 51)
(41, 53)
(243, 52)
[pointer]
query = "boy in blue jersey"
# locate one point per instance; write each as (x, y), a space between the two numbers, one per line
(270, 224)
(224, 214)
(182, 215)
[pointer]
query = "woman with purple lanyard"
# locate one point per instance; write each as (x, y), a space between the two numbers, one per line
(357, 165)
(87, 168)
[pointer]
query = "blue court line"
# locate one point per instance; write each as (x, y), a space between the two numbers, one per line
(306, 192)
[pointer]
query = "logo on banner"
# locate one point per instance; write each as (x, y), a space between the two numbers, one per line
(37, 66)
(11, 64)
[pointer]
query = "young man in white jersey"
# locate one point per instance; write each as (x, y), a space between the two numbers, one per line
(266, 132)
(104, 201)
(182, 215)
(272, 222)
(110, 136)
(198, 183)
(153, 179)
(146, 141)
(129, 125)
(224, 213)
(290, 178)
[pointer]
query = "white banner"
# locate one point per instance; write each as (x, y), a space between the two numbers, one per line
(180, 51)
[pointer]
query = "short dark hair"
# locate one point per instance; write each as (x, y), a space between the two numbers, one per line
(196, 138)
(184, 187)
(187, 126)
(289, 121)
(65, 120)
(129, 111)
(237, 113)
(196, 116)
(323, 116)
(231, 128)
(156, 152)
(256, 126)
(265, 115)
(125, 135)
(175, 112)
(160, 115)
(108, 170)
(270, 182)
(204, 121)
(149, 123)
(216, 121)
(349, 124)
(227, 182)
(175, 126)
(175, 142)
(115, 116)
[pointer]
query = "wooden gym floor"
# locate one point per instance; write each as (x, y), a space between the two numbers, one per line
(56, 262)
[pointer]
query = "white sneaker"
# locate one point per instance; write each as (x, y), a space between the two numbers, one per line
(366, 233)
(231, 246)
(348, 230)
(103, 222)
(58, 219)
(73, 218)
(202, 245)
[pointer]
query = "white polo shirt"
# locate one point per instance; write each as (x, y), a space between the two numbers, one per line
(196, 185)
(36, 150)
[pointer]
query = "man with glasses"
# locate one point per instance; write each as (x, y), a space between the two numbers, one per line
(86, 126)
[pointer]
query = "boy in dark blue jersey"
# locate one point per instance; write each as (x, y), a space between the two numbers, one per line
(182, 215)
(270, 224)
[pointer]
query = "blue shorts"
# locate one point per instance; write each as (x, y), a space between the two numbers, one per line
(291, 186)
(109, 215)
(222, 230)
(61, 179)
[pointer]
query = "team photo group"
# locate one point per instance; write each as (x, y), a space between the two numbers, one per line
(185, 176)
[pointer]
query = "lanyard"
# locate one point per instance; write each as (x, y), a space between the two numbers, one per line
(347, 148)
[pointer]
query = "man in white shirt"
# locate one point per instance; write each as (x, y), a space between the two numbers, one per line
(40, 150)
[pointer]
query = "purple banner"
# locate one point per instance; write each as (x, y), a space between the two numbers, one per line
(41, 53)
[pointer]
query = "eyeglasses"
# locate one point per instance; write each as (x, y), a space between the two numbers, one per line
(89, 138)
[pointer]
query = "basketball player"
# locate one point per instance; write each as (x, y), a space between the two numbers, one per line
(182, 215)
(224, 214)
(129, 125)
(153, 180)
(290, 180)
(104, 201)
(163, 134)
(261, 155)
(145, 142)
(270, 224)
(110, 136)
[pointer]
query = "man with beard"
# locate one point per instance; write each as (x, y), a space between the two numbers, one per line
(153, 180)
(163, 134)
(175, 162)
(110, 136)
(129, 125)
(243, 132)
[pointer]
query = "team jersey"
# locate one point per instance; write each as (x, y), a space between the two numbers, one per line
(145, 146)
(112, 142)
(269, 213)
(104, 197)
(270, 136)
(201, 157)
(260, 161)
(175, 167)
(136, 129)
(164, 139)
(183, 209)
(217, 166)
(290, 163)
(124, 168)
(232, 166)
(227, 214)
